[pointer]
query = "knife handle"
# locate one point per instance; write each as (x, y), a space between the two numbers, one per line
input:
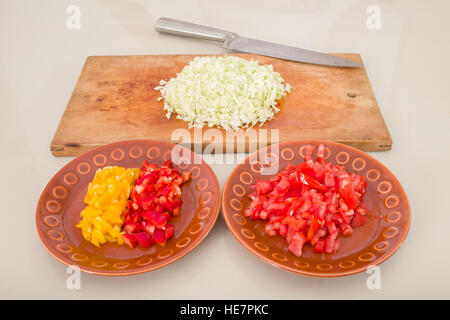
(172, 26)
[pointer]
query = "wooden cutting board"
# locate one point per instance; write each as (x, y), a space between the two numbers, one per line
(115, 100)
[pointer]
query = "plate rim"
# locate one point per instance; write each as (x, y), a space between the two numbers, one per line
(310, 273)
(118, 272)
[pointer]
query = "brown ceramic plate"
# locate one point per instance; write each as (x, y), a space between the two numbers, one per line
(59, 207)
(368, 245)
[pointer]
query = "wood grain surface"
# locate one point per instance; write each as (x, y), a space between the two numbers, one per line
(114, 100)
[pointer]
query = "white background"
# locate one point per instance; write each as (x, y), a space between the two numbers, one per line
(407, 61)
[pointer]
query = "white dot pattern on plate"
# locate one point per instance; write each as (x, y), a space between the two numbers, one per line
(99, 160)
(135, 152)
(60, 192)
(117, 154)
(203, 213)
(183, 242)
(70, 178)
(84, 168)
(153, 153)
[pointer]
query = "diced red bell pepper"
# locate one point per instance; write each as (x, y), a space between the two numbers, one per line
(156, 218)
(136, 218)
(132, 227)
(144, 239)
(159, 236)
(169, 230)
(129, 240)
(155, 198)
(149, 228)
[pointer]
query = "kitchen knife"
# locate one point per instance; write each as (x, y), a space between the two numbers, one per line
(233, 41)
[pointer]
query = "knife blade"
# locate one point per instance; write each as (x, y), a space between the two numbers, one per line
(280, 51)
(233, 41)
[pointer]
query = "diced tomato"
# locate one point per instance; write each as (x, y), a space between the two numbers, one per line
(322, 232)
(296, 244)
(276, 207)
(320, 152)
(313, 202)
(275, 218)
(329, 180)
(263, 187)
(290, 234)
(314, 226)
(263, 215)
(346, 229)
(320, 245)
(320, 212)
(311, 182)
(358, 220)
(348, 194)
(309, 154)
(269, 230)
(283, 185)
(330, 242)
(331, 227)
(277, 226)
(297, 224)
(306, 205)
(185, 176)
(283, 230)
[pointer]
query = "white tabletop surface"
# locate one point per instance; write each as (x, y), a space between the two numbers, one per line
(408, 66)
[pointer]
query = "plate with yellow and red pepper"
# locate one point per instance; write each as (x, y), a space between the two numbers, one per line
(128, 207)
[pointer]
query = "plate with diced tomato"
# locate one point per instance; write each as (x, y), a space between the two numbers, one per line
(316, 208)
(128, 207)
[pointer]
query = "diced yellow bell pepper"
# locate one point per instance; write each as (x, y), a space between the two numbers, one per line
(106, 199)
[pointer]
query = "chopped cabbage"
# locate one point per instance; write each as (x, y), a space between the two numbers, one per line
(226, 91)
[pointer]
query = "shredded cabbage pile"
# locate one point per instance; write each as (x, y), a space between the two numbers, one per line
(225, 91)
